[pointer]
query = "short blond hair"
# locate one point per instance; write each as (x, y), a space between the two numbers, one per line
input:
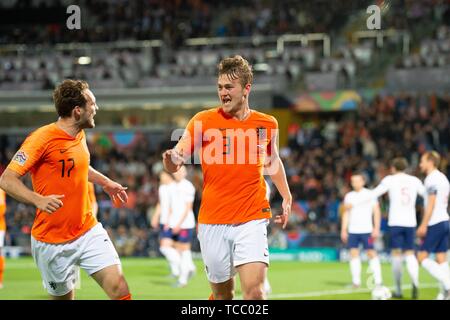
(236, 68)
(434, 157)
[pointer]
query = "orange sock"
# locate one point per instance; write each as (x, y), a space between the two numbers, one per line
(127, 297)
(2, 267)
(211, 297)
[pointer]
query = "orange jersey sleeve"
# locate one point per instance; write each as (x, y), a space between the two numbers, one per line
(2, 210)
(58, 164)
(233, 154)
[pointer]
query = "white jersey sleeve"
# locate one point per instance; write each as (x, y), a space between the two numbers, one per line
(361, 215)
(383, 187)
(164, 194)
(436, 183)
(183, 195)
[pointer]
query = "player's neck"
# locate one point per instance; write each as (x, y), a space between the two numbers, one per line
(68, 126)
(243, 113)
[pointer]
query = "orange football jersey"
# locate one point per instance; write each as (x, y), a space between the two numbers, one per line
(232, 155)
(59, 164)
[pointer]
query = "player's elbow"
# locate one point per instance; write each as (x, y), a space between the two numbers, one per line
(3, 181)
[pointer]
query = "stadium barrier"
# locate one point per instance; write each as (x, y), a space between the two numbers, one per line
(304, 254)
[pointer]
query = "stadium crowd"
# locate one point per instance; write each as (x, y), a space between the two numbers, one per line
(320, 157)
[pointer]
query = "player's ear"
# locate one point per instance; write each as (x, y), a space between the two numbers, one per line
(248, 86)
(76, 112)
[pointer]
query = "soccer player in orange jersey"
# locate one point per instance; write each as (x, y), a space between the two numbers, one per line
(65, 232)
(2, 233)
(236, 146)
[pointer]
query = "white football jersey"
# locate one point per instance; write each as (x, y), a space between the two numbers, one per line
(183, 193)
(403, 190)
(437, 183)
(361, 214)
(164, 193)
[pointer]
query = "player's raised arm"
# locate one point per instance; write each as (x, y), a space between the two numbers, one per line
(10, 182)
(278, 176)
(115, 190)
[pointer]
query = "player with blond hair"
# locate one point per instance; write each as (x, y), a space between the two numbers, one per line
(236, 146)
(434, 228)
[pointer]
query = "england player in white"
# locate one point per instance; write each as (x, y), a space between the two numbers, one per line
(182, 223)
(160, 220)
(403, 190)
(434, 227)
(361, 225)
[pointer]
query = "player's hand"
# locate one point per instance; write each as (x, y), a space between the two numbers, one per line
(284, 217)
(49, 203)
(344, 236)
(375, 234)
(421, 231)
(154, 224)
(176, 230)
(173, 160)
(116, 192)
(166, 227)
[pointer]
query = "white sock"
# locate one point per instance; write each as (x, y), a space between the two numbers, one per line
(185, 266)
(174, 258)
(445, 269)
(375, 266)
(412, 265)
(397, 271)
(435, 270)
(355, 269)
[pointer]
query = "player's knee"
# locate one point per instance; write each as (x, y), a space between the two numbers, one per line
(119, 289)
(229, 295)
(254, 293)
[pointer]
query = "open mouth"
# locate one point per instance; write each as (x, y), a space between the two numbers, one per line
(226, 101)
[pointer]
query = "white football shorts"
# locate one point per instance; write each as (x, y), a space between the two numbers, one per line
(227, 246)
(93, 251)
(2, 238)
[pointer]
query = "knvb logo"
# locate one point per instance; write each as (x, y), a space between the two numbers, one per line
(74, 20)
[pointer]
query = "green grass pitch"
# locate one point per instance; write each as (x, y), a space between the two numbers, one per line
(148, 279)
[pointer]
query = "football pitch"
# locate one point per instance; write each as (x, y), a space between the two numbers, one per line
(149, 279)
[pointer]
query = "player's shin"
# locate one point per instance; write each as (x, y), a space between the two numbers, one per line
(435, 270)
(397, 272)
(2, 268)
(173, 256)
(185, 267)
(412, 265)
(355, 269)
(375, 266)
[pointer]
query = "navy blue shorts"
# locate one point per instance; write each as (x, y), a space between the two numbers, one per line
(185, 235)
(402, 237)
(354, 239)
(436, 239)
